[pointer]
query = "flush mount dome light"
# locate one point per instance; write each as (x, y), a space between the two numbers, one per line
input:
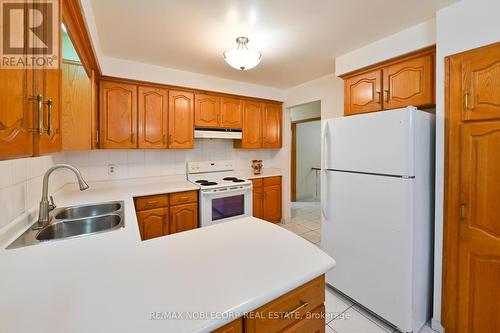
(241, 57)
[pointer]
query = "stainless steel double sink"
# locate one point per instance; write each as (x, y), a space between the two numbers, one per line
(75, 221)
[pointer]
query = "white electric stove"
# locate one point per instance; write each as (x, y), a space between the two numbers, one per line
(223, 196)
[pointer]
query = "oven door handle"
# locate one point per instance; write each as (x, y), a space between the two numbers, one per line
(245, 189)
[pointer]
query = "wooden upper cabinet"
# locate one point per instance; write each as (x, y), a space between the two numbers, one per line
(396, 83)
(15, 114)
(181, 119)
(481, 84)
(409, 83)
(118, 115)
(183, 217)
(362, 93)
(206, 110)
(76, 112)
(271, 126)
(153, 117)
(230, 113)
(50, 142)
(252, 126)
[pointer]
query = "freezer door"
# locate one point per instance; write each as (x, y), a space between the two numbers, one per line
(379, 142)
(367, 230)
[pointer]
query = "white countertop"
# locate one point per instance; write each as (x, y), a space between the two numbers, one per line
(112, 282)
(265, 172)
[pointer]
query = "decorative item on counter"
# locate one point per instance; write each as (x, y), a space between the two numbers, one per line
(257, 166)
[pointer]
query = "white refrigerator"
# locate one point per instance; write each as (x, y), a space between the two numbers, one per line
(378, 212)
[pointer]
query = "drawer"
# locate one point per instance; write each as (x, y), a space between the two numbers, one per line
(257, 182)
(183, 197)
(235, 326)
(287, 309)
(151, 202)
(272, 181)
(315, 323)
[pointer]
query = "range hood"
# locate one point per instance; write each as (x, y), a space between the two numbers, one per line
(217, 133)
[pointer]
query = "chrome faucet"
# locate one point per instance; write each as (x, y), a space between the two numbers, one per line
(45, 206)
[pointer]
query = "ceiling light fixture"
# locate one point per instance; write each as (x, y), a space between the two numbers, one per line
(241, 57)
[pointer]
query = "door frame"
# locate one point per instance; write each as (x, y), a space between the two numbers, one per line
(293, 159)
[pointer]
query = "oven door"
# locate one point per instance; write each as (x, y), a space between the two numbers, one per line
(225, 205)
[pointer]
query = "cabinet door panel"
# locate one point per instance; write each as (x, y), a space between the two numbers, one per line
(231, 113)
(181, 119)
(272, 203)
(481, 84)
(252, 126)
(257, 203)
(409, 83)
(51, 90)
(76, 112)
(153, 118)
(206, 110)
(362, 93)
(271, 126)
(479, 230)
(15, 113)
(153, 223)
(118, 115)
(183, 217)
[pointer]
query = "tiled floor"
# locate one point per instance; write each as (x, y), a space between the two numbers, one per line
(306, 221)
(343, 316)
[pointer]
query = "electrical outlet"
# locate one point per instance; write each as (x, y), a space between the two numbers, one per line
(111, 169)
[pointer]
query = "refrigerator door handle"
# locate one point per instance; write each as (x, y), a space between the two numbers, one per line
(324, 198)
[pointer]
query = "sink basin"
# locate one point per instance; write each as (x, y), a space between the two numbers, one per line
(75, 221)
(79, 212)
(72, 228)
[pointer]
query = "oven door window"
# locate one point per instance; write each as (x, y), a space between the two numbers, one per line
(228, 207)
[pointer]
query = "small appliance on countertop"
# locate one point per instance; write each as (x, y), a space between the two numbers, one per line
(223, 196)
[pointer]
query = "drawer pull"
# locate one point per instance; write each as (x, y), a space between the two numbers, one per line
(151, 203)
(288, 314)
(183, 198)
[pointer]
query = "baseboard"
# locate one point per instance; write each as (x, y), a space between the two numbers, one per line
(436, 325)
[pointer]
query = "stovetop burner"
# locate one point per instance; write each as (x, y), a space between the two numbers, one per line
(238, 180)
(207, 183)
(201, 181)
(230, 178)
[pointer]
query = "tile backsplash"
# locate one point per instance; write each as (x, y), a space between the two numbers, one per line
(21, 179)
(150, 163)
(21, 184)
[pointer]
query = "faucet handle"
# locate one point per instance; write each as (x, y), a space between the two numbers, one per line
(52, 205)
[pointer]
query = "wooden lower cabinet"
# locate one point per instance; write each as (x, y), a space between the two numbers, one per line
(183, 217)
(235, 326)
(267, 198)
(301, 310)
(153, 223)
(165, 214)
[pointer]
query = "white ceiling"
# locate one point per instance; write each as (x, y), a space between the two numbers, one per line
(298, 39)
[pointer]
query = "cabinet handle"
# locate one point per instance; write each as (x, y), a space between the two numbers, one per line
(222, 119)
(39, 103)
(386, 91)
(463, 212)
(170, 139)
(50, 129)
(298, 308)
(379, 97)
(466, 99)
(164, 139)
(132, 138)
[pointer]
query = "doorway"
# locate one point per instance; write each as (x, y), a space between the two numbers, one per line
(305, 171)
